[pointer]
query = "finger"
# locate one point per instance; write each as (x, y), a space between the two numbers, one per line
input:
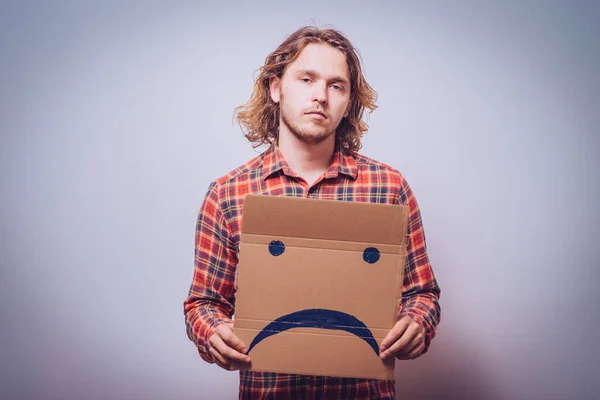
(219, 359)
(417, 351)
(396, 331)
(403, 354)
(227, 352)
(411, 350)
(233, 341)
(413, 353)
(234, 355)
(234, 366)
(227, 365)
(407, 337)
(413, 336)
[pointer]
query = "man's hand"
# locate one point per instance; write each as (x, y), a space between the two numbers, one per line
(406, 340)
(227, 350)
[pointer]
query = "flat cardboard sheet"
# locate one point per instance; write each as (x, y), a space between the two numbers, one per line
(319, 283)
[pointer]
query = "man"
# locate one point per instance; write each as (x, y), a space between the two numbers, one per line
(307, 104)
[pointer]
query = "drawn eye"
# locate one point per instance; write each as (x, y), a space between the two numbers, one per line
(276, 247)
(371, 255)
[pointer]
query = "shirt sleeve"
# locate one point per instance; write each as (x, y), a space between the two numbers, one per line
(420, 292)
(210, 302)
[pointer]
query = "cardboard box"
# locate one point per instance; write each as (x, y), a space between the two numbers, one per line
(319, 283)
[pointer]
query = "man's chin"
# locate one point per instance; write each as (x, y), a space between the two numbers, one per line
(313, 138)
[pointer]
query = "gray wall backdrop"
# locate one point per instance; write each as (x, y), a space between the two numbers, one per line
(115, 117)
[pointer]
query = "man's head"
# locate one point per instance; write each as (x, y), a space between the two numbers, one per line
(314, 71)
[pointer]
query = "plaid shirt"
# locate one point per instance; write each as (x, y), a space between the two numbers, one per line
(211, 300)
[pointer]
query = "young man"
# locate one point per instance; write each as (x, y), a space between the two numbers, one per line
(307, 104)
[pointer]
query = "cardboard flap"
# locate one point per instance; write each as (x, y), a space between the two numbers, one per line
(303, 218)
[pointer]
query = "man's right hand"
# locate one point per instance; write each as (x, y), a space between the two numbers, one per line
(227, 350)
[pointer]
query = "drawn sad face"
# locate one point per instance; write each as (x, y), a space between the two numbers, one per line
(318, 317)
(317, 290)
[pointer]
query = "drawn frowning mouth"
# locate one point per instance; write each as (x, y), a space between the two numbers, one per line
(317, 318)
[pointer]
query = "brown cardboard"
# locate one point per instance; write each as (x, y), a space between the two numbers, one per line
(321, 268)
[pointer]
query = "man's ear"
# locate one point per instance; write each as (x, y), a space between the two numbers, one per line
(274, 89)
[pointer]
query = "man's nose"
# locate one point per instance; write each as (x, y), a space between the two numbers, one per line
(320, 93)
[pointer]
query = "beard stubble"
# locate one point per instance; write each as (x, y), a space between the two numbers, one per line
(304, 137)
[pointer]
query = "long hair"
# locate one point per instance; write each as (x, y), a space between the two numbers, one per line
(259, 118)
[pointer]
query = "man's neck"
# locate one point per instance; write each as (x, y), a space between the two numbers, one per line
(308, 161)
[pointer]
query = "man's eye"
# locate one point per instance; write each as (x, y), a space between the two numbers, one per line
(305, 80)
(337, 87)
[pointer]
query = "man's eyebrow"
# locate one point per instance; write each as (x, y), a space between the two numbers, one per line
(315, 74)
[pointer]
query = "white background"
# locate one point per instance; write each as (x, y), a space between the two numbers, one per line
(116, 116)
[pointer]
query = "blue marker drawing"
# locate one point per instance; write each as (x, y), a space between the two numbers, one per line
(276, 248)
(317, 318)
(371, 255)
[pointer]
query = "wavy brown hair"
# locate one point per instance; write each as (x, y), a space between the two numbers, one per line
(259, 118)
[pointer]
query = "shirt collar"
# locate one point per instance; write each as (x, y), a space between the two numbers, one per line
(341, 163)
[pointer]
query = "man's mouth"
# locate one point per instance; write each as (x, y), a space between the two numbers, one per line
(317, 114)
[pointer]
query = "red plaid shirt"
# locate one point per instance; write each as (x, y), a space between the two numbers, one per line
(211, 300)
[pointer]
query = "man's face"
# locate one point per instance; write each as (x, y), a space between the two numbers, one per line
(314, 93)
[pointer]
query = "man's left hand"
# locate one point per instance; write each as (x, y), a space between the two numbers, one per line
(406, 340)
